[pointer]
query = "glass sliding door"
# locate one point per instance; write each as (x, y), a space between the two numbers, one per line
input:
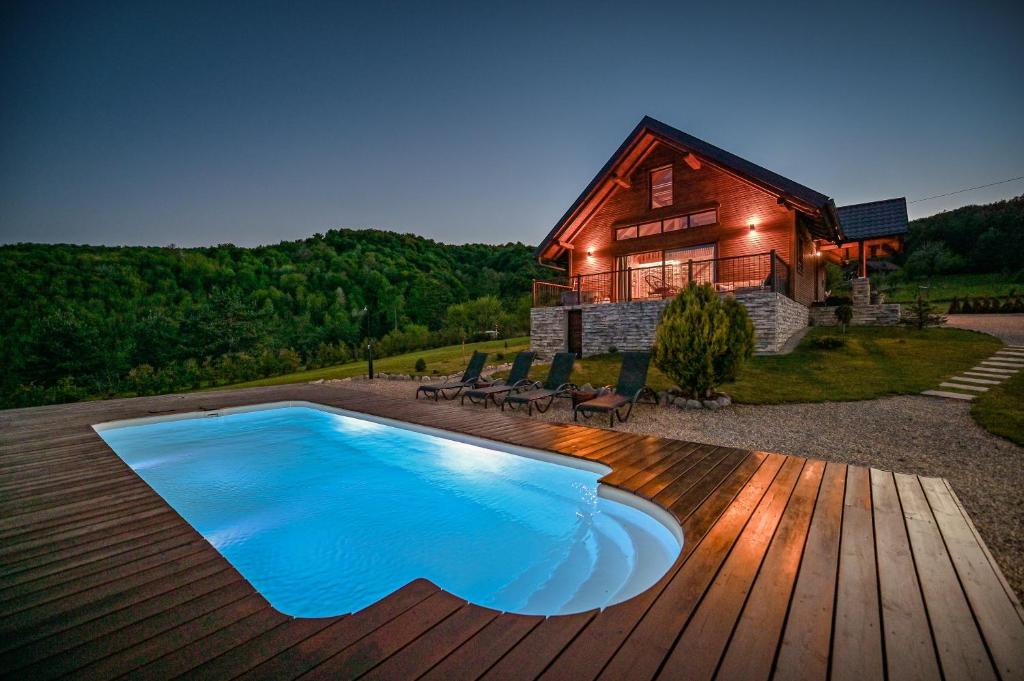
(660, 274)
(697, 262)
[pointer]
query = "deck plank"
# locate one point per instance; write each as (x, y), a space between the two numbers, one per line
(759, 629)
(909, 648)
(962, 652)
(857, 651)
(804, 650)
(977, 573)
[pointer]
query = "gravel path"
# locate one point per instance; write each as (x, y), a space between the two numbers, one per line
(907, 434)
(1007, 327)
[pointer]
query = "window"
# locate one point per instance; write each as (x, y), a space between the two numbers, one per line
(661, 187)
(706, 217)
(673, 224)
(649, 229)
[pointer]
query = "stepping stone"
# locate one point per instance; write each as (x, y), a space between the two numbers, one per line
(1005, 358)
(1002, 365)
(1009, 353)
(961, 386)
(1005, 373)
(943, 393)
(967, 379)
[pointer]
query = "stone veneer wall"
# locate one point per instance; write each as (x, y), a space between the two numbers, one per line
(776, 318)
(631, 326)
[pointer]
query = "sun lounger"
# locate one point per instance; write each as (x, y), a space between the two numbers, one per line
(630, 389)
(517, 378)
(470, 379)
(541, 395)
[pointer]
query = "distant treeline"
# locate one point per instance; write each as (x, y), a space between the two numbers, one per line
(86, 321)
(987, 238)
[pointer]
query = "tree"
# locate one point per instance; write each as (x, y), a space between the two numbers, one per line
(701, 342)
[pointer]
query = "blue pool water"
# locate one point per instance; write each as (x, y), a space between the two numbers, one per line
(326, 513)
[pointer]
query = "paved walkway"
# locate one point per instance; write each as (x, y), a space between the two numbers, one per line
(1004, 363)
(991, 372)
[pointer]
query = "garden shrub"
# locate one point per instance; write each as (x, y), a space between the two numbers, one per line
(828, 343)
(421, 365)
(844, 313)
(954, 306)
(702, 341)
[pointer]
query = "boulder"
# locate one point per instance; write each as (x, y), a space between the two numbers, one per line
(724, 400)
(712, 405)
(318, 381)
(691, 404)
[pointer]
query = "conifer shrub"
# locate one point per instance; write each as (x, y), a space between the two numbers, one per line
(421, 365)
(702, 341)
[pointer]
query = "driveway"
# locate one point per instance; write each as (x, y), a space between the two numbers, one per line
(1007, 327)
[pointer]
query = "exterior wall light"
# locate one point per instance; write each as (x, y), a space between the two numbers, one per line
(752, 227)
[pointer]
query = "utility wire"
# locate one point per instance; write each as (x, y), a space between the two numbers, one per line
(969, 189)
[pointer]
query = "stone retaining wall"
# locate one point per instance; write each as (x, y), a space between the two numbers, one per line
(887, 314)
(864, 313)
(631, 325)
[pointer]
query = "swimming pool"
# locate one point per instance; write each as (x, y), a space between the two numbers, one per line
(326, 511)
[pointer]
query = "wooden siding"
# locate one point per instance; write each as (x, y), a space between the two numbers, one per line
(739, 204)
(792, 569)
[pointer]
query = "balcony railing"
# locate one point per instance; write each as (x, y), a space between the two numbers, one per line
(763, 271)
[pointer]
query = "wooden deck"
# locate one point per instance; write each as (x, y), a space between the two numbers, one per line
(792, 569)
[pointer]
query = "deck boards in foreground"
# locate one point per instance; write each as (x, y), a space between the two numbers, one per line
(792, 569)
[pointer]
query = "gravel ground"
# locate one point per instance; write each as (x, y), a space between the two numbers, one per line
(907, 434)
(1007, 327)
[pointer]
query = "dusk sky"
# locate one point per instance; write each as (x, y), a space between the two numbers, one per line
(251, 123)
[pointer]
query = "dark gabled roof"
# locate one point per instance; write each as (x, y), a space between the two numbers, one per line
(874, 219)
(794, 192)
(734, 162)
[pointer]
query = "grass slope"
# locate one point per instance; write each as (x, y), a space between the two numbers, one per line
(944, 288)
(1001, 409)
(445, 360)
(873, 363)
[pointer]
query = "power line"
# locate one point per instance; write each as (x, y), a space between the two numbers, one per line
(969, 189)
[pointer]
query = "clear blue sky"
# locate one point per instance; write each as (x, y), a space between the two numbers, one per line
(251, 122)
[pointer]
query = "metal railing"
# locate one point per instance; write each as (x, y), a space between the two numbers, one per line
(763, 271)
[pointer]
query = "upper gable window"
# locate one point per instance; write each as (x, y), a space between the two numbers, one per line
(661, 187)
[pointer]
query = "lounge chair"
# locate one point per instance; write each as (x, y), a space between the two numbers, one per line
(631, 388)
(517, 378)
(470, 379)
(543, 394)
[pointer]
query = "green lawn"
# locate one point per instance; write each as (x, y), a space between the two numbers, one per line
(1001, 409)
(446, 360)
(874, 362)
(944, 288)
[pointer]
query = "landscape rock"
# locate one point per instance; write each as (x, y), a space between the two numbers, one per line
(692, 404)
(724, 400)
(712, 405)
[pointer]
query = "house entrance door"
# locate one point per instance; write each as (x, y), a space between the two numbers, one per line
(576, 332)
